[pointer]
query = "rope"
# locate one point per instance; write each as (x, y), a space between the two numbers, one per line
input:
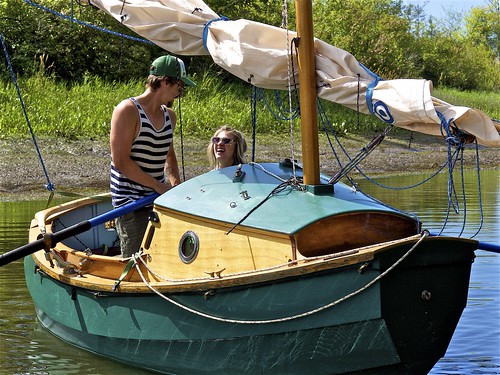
(292, 182)
(287, 318)
(207, 25)
(454, 139)
(83, 23)
(325, 121)
(50, 186)
(279, 113)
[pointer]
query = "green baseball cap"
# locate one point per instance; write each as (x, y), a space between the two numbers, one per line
(170, 66)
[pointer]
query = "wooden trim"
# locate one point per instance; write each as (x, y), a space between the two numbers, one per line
(292, 269)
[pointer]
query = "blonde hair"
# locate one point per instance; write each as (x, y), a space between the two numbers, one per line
(239, 151)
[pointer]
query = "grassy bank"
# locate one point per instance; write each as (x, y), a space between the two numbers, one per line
(60, 110)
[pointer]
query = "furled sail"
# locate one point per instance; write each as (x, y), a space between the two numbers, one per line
(259, 53)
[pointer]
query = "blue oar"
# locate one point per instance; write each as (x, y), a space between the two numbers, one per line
(50, 240)
(486, 246)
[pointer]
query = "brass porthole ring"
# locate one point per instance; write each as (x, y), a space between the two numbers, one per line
(189, 246)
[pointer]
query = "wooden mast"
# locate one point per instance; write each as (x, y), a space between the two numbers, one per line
(307, 91)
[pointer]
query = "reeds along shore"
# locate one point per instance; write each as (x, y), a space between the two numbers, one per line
(80, 111)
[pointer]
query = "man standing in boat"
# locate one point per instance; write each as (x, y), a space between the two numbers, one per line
(142, 150)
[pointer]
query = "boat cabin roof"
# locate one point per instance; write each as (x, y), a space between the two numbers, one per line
(219, 195)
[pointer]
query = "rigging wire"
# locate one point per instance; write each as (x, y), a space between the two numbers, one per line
(479, 192)
(181, 135)
(49, 185)
(253, 106)
(290, 73)
(455, 141)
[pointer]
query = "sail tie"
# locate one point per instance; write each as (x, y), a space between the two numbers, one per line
(371, 87)
(207, 25)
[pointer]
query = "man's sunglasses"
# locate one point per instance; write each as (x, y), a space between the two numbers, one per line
(225, 141)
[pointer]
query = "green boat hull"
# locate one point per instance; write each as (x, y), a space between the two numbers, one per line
(305, 325)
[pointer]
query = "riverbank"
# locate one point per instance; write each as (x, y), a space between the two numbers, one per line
(82, 167)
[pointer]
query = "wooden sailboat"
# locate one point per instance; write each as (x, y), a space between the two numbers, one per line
(259, 268)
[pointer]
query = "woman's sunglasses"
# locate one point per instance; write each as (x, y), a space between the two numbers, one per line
(225, 141)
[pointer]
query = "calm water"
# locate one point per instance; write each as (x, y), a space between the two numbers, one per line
(25, 348)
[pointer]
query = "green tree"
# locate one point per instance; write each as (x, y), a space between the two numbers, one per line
(391, 38)
(265, 11)
(483, 26)
(374, 31)
(40, 40)
(460, 54)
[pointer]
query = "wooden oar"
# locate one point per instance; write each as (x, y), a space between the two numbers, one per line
(50, 240)
(486, 246)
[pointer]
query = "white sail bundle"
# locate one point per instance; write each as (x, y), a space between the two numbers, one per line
(260, 53)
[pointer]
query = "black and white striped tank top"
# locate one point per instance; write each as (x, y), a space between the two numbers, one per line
(149, 151)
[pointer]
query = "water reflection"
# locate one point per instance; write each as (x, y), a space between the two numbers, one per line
(430, 202)
(475, 346)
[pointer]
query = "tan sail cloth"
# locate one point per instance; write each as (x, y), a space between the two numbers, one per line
(259, 52)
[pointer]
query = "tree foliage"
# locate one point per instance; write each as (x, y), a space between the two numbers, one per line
(42, 40)
(374, 31)
(396, 40)
(483, 27)
(392, 38)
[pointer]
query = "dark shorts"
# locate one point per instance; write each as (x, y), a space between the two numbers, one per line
(131, 228)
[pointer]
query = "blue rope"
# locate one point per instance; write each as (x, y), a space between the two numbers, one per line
(463, 192)
(371, 87)
(281, 113)
(324, 118)
(325, 121)
(50, 186)
(454, 139)
(207, 25)
(83, 23)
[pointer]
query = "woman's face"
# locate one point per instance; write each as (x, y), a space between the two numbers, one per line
(224, 148)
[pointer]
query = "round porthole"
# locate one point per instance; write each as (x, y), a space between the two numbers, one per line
(189, 246)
